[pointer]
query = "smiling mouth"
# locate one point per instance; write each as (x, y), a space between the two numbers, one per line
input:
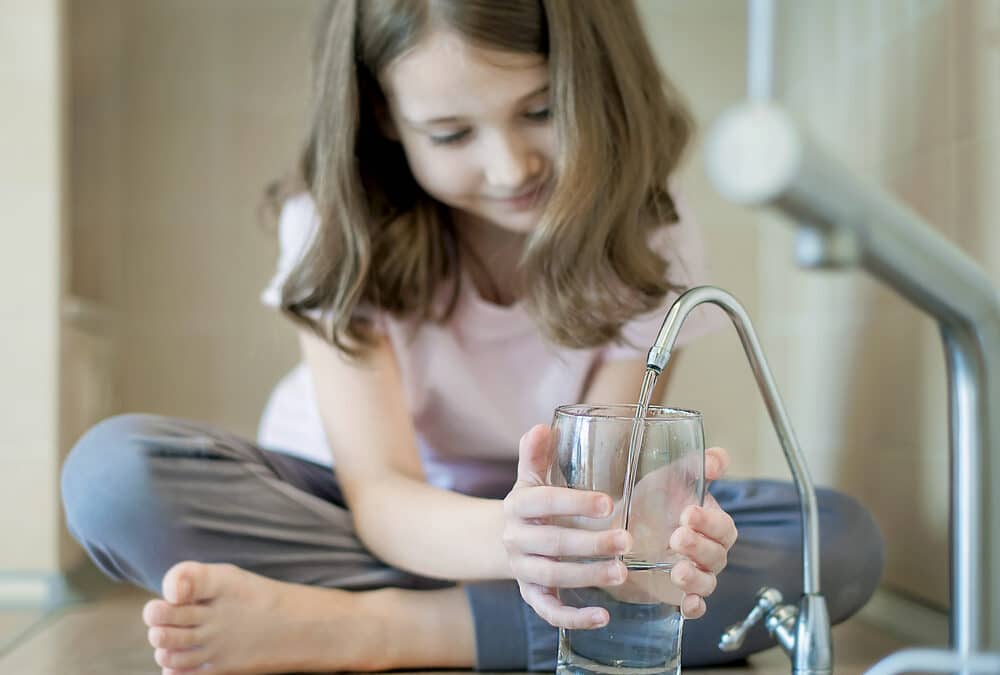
(533, 193)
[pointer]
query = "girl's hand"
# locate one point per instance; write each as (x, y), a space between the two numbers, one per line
(534, 544)
(705, 535)
(699, 542)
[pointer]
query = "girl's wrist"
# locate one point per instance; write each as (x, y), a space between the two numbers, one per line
(498, 552)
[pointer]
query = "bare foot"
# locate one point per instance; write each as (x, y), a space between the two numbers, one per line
(222, 620)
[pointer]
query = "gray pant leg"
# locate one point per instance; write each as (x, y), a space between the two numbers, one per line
(143, 492)
(767, 553)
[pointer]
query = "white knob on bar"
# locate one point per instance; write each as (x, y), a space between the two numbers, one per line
(753, 153)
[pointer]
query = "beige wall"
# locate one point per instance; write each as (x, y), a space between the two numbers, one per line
(31, 189)
(702, 48)
(907, 94)
(177, 115)
(212, 106)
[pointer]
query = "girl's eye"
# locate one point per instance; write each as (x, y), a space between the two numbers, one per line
(539, 115)
(450, 138)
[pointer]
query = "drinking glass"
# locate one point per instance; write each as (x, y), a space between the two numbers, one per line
(591, 452)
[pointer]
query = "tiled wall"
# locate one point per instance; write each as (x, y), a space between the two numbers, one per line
(183, 111)
(31, 187)
(908, 95)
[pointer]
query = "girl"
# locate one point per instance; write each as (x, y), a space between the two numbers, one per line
(481, 231)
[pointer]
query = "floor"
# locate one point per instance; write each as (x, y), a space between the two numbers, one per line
(107, 637)
(14, 623)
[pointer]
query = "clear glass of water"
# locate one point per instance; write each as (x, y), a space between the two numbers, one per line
(591, 452)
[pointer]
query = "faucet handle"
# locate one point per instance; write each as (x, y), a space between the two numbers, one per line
(765, 601)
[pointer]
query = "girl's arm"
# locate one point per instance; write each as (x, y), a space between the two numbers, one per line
(403, 520)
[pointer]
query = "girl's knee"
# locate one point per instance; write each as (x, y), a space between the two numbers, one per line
(769, 548)
(852, 553)
(844, 521)
(104, 474)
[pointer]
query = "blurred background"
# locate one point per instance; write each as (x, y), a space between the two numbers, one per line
(136, 137)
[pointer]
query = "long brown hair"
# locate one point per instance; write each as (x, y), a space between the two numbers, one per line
(383, 243)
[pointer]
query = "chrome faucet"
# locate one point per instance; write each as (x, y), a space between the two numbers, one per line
(803, 632)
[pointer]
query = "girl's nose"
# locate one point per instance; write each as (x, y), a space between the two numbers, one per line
(511, 163)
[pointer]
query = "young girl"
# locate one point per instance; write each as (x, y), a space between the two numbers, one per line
(482, 231)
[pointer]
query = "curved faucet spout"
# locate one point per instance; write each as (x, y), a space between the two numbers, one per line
(804, 634)
(657, 359)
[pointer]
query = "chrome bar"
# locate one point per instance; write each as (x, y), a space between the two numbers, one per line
(935, 661)
(760, 52)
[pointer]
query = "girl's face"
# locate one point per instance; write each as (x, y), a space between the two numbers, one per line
(475, 126)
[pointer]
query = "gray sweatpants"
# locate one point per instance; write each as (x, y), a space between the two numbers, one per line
(143, 492)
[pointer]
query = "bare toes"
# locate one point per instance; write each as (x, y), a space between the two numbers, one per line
(189, 582)
(169, 637)
(162, 613)
(179, 582)
(189, 659)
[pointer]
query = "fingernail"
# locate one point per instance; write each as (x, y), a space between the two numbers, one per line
(712, 467)
(597, 617)
(680, 575)
(624, 542)
(697, 605)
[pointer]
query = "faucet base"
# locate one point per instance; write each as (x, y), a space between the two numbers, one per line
(813, 645)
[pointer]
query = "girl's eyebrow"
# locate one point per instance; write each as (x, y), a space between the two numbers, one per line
(453, 118)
